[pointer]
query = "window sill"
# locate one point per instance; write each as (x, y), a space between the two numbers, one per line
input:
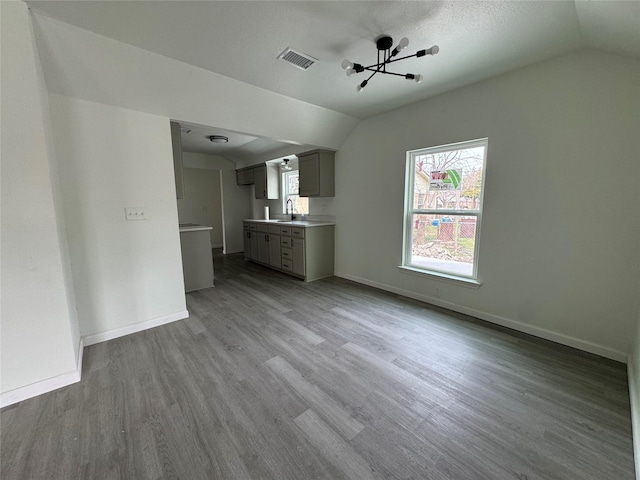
(461, 281)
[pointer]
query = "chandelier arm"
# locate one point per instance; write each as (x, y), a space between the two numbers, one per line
(385, 72)
(374, 72)
(402, 58)
(403, 75)
(382, 64)
(377, 66)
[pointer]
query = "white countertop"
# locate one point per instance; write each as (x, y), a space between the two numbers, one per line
(192, 227)
(293, 223)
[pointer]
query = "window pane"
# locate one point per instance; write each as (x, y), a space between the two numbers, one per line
(448, 180)
(300, 204)
(291, 182)
(443, 242)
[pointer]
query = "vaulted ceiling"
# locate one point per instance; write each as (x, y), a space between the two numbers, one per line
(242, 40)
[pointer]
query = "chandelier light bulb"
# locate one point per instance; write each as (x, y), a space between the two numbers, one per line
(346, 64)
(350, 71)
(433, 50)
(417, 78)
(404, 43)
(361, 86)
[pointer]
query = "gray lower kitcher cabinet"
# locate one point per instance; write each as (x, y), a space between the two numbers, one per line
(304, 251)
(250, 241)
(197, 260)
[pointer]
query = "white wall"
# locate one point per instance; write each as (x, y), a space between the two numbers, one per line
(110, 158)
(236, 199)
(81, 64)
(559, 250)
(202, 202)
(40, 342)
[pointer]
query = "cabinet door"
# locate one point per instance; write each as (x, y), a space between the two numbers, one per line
(254, 245)
(275, 251)
(244, 176)
(263, 247)
(309, 170)
(246, 236)
(297, 252)
(260, 181)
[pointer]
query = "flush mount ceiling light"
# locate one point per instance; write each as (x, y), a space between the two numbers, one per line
(384, 45)
(218, 138)
(284, 165)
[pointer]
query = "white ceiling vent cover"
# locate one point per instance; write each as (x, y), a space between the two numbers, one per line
(297, 59)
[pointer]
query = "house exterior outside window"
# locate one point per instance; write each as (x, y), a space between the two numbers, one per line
(443, 209)
(290, 191)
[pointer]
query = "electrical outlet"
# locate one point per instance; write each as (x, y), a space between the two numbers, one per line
(135, 213)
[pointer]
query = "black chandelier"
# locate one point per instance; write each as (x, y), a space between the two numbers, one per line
(384, 45)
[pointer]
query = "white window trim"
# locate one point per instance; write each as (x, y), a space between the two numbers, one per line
(471, 281)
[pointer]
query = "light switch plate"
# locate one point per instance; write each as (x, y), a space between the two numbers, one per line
(135, 213)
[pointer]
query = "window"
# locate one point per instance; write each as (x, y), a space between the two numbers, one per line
(290, 191)
(443, 209)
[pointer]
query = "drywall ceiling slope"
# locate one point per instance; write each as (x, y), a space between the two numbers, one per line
(611, 26)
(78, 63)
(242, 40)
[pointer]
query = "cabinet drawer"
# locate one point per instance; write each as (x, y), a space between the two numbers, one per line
(286, 254)
(297, 232)
(285, 242)
(252, 226)
(274, 229)
(285, 230)
(286, 265)
(263, 227)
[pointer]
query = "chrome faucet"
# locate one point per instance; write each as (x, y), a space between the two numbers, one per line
(290, 208)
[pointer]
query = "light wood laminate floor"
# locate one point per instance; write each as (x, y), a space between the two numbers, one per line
(271, 378)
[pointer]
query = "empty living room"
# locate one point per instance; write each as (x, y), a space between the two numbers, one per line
(320, 240)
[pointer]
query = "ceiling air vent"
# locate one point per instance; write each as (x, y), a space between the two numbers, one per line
(297, 59)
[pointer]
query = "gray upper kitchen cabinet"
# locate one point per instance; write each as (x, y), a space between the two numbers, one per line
(265, 181)
(244, 176)
(176, 144)
(317, 173)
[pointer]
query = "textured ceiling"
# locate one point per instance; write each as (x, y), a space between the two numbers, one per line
(240, 147)
(242, 39)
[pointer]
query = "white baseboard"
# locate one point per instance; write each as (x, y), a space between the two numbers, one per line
(50, 384)
(136, 327)
(635, 414)
(45, 386)
(505, 322)
(80, 357)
